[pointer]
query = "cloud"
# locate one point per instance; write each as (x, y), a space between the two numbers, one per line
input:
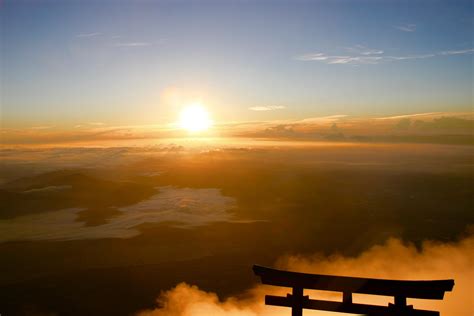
(435, 127)
(371, 56)
(446, 124)
(392, 260)
(187, 300)
(340, 59)
(87, 134)
(457, 52)
(49, 189)
(42, 127)
(96, 123)
(416, 56)
(267, 108)
(88, 34)
(186, 207)
(323, 119)
(360, 49)
(132, 44)
(89, 124)
(406, 27)
(395, 117)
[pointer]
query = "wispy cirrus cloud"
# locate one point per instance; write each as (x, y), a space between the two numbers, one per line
(89, 34)
(457, 52)
(340, 59)
(116, 43)
(96, 123)
(42, 127)
(371, 56)
(396, 117)
(327, 119)
(406, 27)
(90, 124)
(267, 108)
(363, 50)
(132, 44)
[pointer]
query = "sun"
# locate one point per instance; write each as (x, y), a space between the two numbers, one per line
(195, 118)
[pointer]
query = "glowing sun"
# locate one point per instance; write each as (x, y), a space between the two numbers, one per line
(195, 118)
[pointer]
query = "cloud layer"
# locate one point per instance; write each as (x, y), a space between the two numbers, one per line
(393, 260)
(436, 124)
(185, 206)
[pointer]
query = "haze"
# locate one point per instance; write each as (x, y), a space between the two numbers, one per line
(153, 151)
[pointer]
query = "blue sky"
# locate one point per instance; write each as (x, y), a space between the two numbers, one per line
(138, 62)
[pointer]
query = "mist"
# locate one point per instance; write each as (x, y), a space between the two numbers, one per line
(392, 260)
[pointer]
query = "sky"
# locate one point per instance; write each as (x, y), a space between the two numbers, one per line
(139, 62)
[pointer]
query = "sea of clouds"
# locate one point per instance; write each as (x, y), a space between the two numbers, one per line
(185, 207)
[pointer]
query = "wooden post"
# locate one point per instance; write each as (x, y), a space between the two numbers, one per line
(400, 301)
(347, 297)
(297, 298)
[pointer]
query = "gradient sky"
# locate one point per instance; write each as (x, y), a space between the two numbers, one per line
(138, 62)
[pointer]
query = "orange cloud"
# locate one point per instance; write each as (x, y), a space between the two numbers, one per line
(393, 260)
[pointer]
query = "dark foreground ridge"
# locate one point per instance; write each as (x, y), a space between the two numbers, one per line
(400, 290)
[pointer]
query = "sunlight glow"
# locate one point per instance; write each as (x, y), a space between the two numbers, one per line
(195, 118)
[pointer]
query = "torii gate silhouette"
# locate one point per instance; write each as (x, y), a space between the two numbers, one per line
(400, 290)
